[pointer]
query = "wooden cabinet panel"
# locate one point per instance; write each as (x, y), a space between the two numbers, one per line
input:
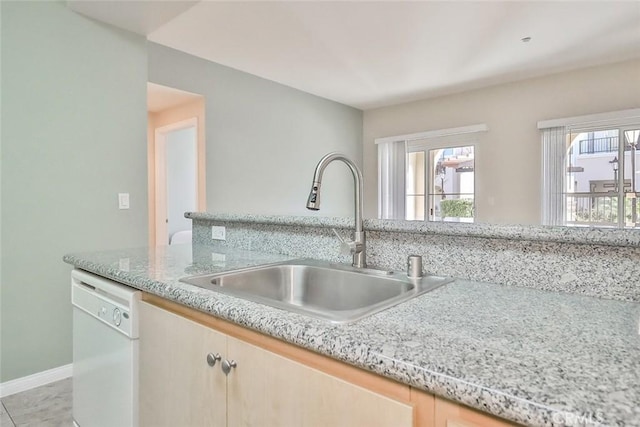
(450, 414)
(269, 390)
(177, 386)
(274, 384)
(424, 408)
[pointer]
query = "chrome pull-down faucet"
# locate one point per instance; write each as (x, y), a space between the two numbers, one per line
(358, 244)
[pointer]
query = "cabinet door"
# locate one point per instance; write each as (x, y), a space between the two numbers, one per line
(177, 386)
(450, 414)
(266, 389)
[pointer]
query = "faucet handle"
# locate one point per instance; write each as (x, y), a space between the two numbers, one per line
(347, 247)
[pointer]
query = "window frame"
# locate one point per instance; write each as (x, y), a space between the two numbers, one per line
(441, 143)
(392, 169)
(555, 132)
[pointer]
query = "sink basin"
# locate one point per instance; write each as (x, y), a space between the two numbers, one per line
(333, 292)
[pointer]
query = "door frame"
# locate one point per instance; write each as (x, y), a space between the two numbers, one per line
(160, 171)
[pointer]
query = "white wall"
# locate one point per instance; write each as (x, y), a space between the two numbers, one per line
(73, 137)
(508, 159)
(181, 178)
(264, 139)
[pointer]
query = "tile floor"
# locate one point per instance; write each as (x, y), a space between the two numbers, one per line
(45, 406)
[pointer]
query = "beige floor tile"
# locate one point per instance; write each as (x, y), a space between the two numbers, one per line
(5, 419)
(46, 406)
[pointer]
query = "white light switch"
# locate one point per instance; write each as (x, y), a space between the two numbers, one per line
(123, 200)
(218, 233)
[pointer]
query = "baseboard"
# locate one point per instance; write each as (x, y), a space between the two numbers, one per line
(36, 380)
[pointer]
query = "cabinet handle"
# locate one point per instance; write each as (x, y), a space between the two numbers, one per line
(213, 358)
(227, 365)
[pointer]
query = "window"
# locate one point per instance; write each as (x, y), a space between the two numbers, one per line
(440, 183)
(592, 171)
(429, 176)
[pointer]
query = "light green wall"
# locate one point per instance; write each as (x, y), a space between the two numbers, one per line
(0, 199)
(264, 139)
(73, 136)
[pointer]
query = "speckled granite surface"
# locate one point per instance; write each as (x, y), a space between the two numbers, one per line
(534, 357)
(575, 235)
(603, 271)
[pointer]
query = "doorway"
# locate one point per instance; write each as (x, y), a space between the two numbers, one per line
(176, 163)
(176, 179)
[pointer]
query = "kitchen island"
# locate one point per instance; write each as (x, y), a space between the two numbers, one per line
(533, 357)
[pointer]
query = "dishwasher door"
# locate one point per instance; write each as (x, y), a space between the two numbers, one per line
(105, 352)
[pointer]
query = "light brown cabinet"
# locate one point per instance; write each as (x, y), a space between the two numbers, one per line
(179, 388)
(269, 390)
(451, 414)
(273, 383)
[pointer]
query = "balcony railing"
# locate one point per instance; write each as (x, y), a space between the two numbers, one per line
(607, 144)
(599, 209)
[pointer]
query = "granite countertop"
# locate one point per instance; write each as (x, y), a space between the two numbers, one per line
(534, 357)
(544, 233)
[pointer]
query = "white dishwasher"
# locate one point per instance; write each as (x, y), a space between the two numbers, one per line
(105, 352)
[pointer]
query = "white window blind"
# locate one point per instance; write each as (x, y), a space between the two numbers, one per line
(391, 179)
(554, 147)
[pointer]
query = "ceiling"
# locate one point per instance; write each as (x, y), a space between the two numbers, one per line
(374, 54)
(141, 17)
(160, 97)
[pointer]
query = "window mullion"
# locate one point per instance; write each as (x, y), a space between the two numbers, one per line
(620, 178)
(427, 189)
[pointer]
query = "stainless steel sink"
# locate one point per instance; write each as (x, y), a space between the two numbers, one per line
(333, 292)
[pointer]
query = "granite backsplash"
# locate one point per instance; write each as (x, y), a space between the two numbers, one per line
(591, 262)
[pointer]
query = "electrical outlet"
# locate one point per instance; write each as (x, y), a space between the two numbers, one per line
(567, 277)
(218, 233)
(217, 258)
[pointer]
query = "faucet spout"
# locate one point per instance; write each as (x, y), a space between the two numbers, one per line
(313, 203)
